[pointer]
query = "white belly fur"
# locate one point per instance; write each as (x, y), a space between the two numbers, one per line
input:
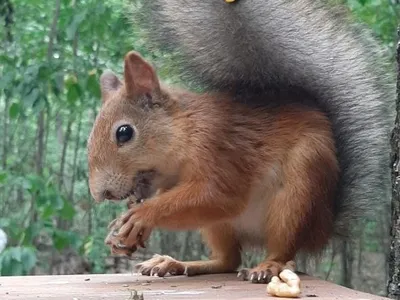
(250, 225)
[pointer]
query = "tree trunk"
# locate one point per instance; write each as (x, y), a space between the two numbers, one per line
(302, 263)
(75, 159)
(64, 142)
(347, 263)
(40, 143)
(360, 252)
(64, 224)
(7, 11)
(5, 131)
(52, 37)
(41, 118)
(394, 256)
(333, 255)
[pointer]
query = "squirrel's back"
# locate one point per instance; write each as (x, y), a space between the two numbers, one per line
(315, 51)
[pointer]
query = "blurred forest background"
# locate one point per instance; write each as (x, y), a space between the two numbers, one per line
(52, 53)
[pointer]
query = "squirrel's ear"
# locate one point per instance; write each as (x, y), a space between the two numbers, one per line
(140, 77)
(109, 83)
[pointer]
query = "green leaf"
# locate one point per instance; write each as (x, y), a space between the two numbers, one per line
(63, 239)
(74, 92)
(47, 212)
(57, 83)
(3, 176)
(32, 70)
(100, 8)
(11, 268)
(31, 232)
(4, 223)
(44, 72)
(30, 99)
(73, 26)
(29, 259)
(60, 241)
(39, 104)
(6, 59)
(17, 261)
(6, 80)
(56, 201)
(92, 85)
(14, 110)
(34, 183)
(41, 201)
(15, 253)
(68, 211)
(17, 269)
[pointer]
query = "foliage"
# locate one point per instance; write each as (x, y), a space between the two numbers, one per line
(381, 15)
(51, 67)
(52, 54)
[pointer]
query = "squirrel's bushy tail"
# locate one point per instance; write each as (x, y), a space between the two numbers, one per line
(258, 45)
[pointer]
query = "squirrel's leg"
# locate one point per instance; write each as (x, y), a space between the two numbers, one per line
(225, 256)
(301, 214)
(190, 205)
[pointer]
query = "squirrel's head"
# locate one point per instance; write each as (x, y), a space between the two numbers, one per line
(131, 137)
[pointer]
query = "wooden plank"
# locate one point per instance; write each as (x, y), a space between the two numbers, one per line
(119, 287)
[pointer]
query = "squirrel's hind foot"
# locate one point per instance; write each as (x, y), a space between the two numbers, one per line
(264, 272)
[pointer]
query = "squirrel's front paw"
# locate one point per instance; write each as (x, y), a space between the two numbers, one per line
(127, 233)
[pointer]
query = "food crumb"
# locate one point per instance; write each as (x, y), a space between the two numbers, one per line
(216, 286)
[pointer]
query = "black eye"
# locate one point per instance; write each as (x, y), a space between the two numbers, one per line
(124, 133)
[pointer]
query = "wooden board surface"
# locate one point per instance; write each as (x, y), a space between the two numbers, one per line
(120, 286)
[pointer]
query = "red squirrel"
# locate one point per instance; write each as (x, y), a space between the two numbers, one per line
(246, 176)
(316, 51)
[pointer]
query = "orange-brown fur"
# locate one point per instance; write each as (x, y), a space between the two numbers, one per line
(244, 176)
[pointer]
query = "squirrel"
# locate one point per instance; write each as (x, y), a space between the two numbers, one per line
(246, 176)
(285, 148)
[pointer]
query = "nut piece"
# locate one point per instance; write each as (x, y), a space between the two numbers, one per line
(288, 287)
(118, 230)
(113, 242)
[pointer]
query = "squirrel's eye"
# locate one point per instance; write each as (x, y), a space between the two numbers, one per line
(124, 133)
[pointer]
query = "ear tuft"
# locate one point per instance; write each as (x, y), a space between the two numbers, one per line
(140, 77)
(109, 82)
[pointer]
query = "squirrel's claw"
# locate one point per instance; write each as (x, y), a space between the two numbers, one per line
(126, 235)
